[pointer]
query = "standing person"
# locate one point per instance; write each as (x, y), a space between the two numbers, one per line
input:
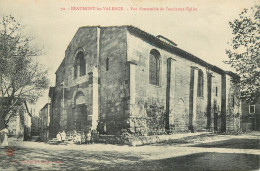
(4, 137)
(92, 136)
(74, 136)
(63, 136)
(58, 136)
(88, 137)
(83, 141)
(78, 139)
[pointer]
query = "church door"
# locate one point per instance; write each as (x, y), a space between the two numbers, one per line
(80, 117)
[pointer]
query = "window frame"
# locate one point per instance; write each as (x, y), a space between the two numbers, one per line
(79, 64)
(107, 64)
(233, 100)
(249, 109)
(158, 67)
(200, 88)
(75, 68)
(82, 64)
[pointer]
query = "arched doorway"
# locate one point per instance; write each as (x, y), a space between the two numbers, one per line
(80, 112)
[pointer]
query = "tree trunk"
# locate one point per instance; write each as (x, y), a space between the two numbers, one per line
(2, 122)
(3, 133)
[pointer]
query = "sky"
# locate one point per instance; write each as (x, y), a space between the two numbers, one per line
(200, 27)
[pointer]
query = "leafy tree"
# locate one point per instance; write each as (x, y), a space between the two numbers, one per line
(22, 78)
(244, 55)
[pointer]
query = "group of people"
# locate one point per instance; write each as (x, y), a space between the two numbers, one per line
(75, 137)
(61, 136)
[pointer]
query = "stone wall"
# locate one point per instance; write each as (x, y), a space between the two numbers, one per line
(55, 112)
(233, 113)
(215, 110)
(148, 111)
(115, 94)
(68, 88)
(114, 80)
(110, 82)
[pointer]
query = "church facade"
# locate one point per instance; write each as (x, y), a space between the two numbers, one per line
(120, 78)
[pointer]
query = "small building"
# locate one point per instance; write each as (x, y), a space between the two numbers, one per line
(44, 117)
(121, 78)
(36, 125)
(251, 115)
(19, 125)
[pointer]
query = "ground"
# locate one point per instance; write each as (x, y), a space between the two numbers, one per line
(203, 152)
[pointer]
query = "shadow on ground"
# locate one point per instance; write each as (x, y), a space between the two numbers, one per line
(233, 143)
(31, 159)
(24, 159)
(203, 161)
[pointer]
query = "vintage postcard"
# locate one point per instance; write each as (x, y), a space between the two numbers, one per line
(129, 85)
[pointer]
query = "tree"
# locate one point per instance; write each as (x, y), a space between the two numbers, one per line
(244, 54)
(22, 78)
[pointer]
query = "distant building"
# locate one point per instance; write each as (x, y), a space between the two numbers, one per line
(251, 114)
(19, 125)
(44, 117)
(120, 78)
(36, 126)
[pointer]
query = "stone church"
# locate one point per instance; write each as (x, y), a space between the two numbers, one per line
(120, 78)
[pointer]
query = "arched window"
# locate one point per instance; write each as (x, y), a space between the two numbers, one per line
(200, 84)
(75, 70)
(233, 100)
(107, 64)
(81, 64)
(154, 67)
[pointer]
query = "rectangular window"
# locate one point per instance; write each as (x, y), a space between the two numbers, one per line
(200, 84)
(233, 100)
(252, 109)
(107, 64)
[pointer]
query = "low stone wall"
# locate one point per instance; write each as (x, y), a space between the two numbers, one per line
(112, 139)
(142, 140)
(136, 141)
(36, 138)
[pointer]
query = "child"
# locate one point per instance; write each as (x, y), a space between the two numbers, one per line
(88, 138)
(78, 139)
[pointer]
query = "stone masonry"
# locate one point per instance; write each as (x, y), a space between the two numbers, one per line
(111, 90)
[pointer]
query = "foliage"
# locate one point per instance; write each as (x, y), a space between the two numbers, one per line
(244, 52)
(22, 78)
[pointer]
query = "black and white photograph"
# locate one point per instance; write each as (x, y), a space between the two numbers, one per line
(130, 85)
